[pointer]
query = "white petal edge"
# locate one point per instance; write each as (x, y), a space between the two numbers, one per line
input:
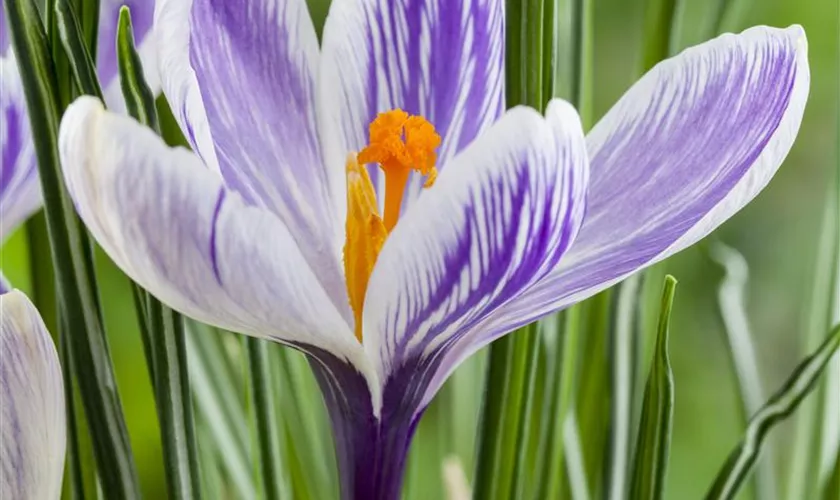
(32, 412)
(527, 152)
(540, 301)
(243, 273)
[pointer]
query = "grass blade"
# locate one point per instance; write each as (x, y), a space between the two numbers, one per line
(81, 62)
(505, 390)
(654, 440)
(623, 368)
(215, 389)
(161, 327)
(659, 32)
(731, 301)
(71, 253)
(262, 392)
(780, 406)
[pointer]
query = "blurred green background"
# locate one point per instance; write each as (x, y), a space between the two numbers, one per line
(777, 233)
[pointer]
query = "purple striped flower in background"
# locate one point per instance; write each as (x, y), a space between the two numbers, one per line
(371, 203)
(32, 413)
(20, 191)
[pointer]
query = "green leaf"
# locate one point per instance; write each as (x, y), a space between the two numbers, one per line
(71, 253)
(262, 391)
(659, 32)
(804, 470)
(654, 440)
(309, 452)
(215, 387)
(731, 301)
(506, 391)
(161, 327)
(622, 384)
(562, 370)
(139, 98)
(81, 62)
(780, 406)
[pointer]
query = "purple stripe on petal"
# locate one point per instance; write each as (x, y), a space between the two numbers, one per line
(20, 191)
(158, 213)
(441, 59)
(688, 146)
(32, 418)
(241, 80)
(497, 220)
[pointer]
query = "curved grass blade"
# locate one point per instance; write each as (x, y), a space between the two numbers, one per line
(162, 328)
(780, 406)
(71, 253)
(266, 426)
(72, 37)
(804, 470)
(731, 301)
(622, 372)
(139, 98)
(654, 441)
(504, 396)
(215, 388)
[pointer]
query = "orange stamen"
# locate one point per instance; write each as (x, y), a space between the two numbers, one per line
(365, 236)
(400, 143)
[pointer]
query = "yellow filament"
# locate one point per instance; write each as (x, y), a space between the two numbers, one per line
(365, 236)
(399, 143)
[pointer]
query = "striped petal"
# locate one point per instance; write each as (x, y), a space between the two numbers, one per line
(240, 77)
(496, 221)
(440, 59)
(177, 230)
(142, 15)
(20, 190)
(688, 146)
(32, 412)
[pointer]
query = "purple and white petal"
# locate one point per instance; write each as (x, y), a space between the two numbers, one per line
(240, 77)
(684, 149)
(142, 15)
(172, 226)
(496, 221)
(32, 411)
(5, 41)
(440, 59)
(20, 189)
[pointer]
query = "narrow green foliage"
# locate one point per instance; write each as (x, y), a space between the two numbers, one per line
(654, 439)
(740, 462)
(505, 393)
(89, 21)
(594, 399)
(72, 37)
(139, 98)
(807, 444)
(72, 259)
(216, 389)
(262, 390)
(731, 301)
(658, 29)
(162, 329)
(622, 384)
(565, 372)
(74, 478)
(520, 465)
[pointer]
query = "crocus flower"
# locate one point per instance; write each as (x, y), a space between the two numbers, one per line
(32, 414)
(20, 190)
(371, 203)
